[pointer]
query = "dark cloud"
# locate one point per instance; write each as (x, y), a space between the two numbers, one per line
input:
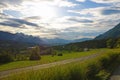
(2, 5)
(2, 15)
(20, 21)
(80, 20)
(33, 18)
(7, 23)
(110, 11)
(71, 29)
(16, 22)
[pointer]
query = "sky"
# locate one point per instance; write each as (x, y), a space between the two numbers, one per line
(65, 19)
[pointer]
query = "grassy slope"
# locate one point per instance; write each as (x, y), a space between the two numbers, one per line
(46, 59)
(87, 70)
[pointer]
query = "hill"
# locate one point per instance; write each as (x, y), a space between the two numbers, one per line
(110, 38)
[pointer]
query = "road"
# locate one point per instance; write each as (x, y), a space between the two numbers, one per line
(116, 74)
(9, 72)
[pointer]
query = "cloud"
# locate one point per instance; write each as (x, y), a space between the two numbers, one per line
(2, 5)
(16, 22)
(102, 17)
(32, 18)
(106, 1)
(12, 24)
(20, 21)
(88, 11)
(27, 8)
(19, 3)
(98, 12)
(76, 23)
(8, 3)
(77, 33)
(81, 0)
(2, 16)
(65, 3)
(110, 11)
(80, 20)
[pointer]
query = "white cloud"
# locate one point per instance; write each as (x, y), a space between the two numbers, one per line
(81, 0)
(106, 1)
(65, 3)
(102, 17)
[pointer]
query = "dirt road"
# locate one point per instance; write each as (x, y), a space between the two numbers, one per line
(9, 72)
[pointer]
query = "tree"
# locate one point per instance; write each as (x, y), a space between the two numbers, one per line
(5, 58)
(35, 53)
(109, 43)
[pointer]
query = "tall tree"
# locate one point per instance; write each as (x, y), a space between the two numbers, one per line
(35, 53)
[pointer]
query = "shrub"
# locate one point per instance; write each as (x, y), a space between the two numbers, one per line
(92, 70)
(60, 54)
(35, 56)
(105, 62)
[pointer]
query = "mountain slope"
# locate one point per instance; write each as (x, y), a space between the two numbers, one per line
(112, 33)
(56, 41)
(22, 38)
(82, 39)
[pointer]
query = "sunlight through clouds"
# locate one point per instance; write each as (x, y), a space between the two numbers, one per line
(56, 18)
(39, 9)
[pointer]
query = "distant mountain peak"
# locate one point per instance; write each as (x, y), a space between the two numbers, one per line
(20, 37)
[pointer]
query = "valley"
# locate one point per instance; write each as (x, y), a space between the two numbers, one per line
(59, 39)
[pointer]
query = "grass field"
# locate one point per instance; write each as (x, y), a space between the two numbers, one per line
(98, 68)
(46, 59)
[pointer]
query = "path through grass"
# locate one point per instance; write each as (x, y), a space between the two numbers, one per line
(46, 59)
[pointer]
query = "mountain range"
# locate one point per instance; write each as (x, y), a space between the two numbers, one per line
(58, 41)
(19, 37)
(22, 38)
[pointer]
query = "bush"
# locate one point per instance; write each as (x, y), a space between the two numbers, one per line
(35, 56)
(105, 62)
(60, 54)
(92, 70)
(5, 58)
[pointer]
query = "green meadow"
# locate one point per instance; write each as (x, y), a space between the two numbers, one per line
(98, 68)
(47, 59)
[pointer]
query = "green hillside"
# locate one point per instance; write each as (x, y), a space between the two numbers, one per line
(112, 33)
